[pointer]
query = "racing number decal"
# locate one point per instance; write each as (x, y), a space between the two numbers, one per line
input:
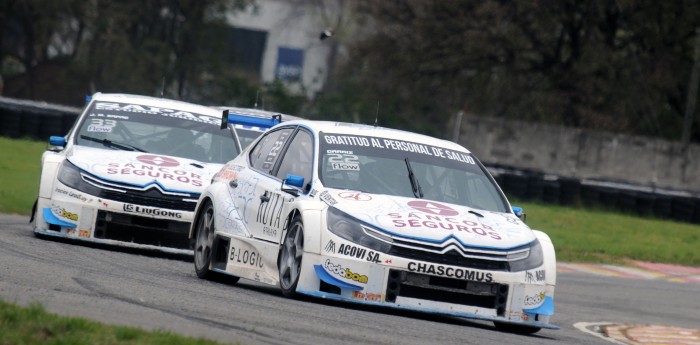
(101, 125)
(343, 161)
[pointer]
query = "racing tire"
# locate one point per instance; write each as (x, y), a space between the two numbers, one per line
(290, 256)
(204, 245)
(517, 329)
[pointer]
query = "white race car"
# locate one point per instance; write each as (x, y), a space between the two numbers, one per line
(130, 171)
(377, 216)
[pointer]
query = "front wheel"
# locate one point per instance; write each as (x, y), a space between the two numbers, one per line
(289, 260)
(518, 329)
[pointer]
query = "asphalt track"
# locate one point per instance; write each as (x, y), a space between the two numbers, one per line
(156, 292)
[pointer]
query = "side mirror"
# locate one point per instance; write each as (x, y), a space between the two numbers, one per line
(519, 212)
(55, 140)
(292, 184)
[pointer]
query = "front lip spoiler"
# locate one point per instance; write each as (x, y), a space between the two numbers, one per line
(335, 297)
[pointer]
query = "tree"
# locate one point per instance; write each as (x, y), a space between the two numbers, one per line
(620, 66)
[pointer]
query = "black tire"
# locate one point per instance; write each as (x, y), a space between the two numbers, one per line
(204, 241)
(517, 329)
(290, 256)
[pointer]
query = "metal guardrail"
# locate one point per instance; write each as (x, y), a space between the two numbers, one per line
(39, 120)
(617, 196)
(34, 120)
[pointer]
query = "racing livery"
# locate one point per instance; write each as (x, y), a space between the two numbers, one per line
(377, 216)
(130, 171)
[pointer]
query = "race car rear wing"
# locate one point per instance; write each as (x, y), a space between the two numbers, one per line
(244, 120)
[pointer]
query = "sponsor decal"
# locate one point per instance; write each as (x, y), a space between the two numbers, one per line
(355, 196)
(228, 172)
(245, 257)
(160, 161)
(450, 272)
(70, 231)
(388, 261)
(418, 220)
(537, 276)
(270, 213)
(83, 233)
(72, 195)
(344, 272)
(360, 253)
(517, 316)
(313, 192)
(534, 300)
(99, 129)
(327, 198)
(366, 296)
(343, 160)
(330, 247)
(62, 212)
(397, 145)
(162, 171)
(151, 211)
(431, 207)
(135, 108)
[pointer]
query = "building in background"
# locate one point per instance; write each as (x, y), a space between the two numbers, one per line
(280, 40)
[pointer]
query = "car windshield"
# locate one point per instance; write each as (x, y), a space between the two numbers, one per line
(156, 130)
(402, 168)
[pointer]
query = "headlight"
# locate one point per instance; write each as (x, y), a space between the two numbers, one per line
(354, 231)
(69, 175)
(534, 259)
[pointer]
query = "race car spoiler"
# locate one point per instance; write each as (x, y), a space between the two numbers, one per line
(244, 120)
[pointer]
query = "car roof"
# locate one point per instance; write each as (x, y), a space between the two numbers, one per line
(156, 102)
(375, 131)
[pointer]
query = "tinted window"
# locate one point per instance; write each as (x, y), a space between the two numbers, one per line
(157, 130)
(267, 150)
(381, 166)
(298, 159)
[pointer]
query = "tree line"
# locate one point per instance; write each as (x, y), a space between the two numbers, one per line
(624, 66)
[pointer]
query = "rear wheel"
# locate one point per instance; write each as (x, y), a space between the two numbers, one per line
(518, 329)
(289, 260)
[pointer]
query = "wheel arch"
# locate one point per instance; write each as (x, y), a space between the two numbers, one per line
(197, 214)
(311, 218)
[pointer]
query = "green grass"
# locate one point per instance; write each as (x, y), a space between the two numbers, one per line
(20, 165)
(578, 234)
(586, 235)
(33, 325)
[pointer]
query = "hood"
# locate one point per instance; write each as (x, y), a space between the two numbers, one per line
(173, 174)
(421, 220)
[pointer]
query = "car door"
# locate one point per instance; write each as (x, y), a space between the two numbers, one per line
(261, 200)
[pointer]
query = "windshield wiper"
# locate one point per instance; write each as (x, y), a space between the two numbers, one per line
(110, 143)
(417, 191)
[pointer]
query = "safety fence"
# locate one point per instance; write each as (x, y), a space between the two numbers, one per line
(38, 120)
(616, 196)
(34, 120)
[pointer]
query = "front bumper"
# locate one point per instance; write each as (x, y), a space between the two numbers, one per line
(72, 214)
(379, 279)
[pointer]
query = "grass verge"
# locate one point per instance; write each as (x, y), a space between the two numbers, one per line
(33, 325)
(599, 236)
(20, 167)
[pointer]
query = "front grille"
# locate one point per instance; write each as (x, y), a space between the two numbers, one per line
(447, 290)
(450, 258)
(142, 230)
(151, 198)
